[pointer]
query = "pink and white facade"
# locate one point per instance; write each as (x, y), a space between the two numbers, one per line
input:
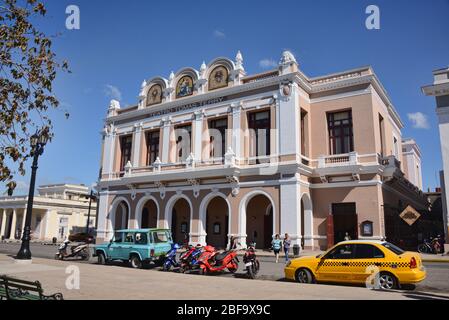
(214, 153)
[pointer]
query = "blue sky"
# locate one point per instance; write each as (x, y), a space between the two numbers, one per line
(120, 43)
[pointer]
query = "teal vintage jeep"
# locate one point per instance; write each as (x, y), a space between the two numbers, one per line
(136, 246)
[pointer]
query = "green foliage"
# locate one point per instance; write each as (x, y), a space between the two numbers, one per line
(28, 68)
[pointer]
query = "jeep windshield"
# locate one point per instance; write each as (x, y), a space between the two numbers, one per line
(161, 236)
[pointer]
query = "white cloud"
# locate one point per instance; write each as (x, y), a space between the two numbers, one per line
(219, 34)
(267, 63)
(112, 92)
(419, 120)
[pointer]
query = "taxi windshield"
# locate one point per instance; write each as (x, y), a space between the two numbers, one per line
(393, 248)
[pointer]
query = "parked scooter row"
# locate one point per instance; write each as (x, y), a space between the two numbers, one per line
(207, 260)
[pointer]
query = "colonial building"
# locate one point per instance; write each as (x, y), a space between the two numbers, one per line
(440, 90)
(58, 210)
(217, 153)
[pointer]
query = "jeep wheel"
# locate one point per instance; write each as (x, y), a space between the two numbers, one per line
(101, 258)
(135, 262)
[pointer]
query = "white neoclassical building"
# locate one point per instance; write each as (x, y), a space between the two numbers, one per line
(58, 210)
(215, 152)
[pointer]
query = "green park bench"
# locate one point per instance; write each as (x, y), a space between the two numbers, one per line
(16, 289)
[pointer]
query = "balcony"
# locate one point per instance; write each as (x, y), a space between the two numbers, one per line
(339, 160)
(390, 161)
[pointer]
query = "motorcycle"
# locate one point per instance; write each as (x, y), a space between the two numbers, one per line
(213, 262)
(80, 250)
(430, 246)
(251, 262)
(170, 258)
(189, 259)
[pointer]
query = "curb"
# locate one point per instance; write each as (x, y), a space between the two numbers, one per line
(436, 260)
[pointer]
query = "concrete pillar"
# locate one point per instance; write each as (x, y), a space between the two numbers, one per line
(198, 135)
(290, 209)
(289, 122)
(13, 225)
(137, 142)
(104, 225)
(109, 151)
(236, 109)
(166, 126)
(440, 90)
(3, 226)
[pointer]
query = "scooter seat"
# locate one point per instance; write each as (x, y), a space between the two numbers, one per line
(221, 256)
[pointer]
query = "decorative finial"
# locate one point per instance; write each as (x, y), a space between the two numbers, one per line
(287, 58)
(202, 69)
(239, 61)
(114, 104)
(238, 57)
(144, 84)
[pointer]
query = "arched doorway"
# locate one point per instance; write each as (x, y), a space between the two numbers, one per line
(217, 223)
(180, 221)
(149, 215)
(121, 216)
(259, 221)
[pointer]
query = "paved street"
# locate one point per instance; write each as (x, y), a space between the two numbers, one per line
(437, 273)
(117, 282)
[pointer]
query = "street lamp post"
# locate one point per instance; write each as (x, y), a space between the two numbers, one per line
(88, 213)
(38, 141)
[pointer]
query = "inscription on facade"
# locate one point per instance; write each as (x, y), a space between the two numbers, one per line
(187, 106)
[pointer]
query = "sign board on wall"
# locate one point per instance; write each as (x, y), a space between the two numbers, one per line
(410, 215)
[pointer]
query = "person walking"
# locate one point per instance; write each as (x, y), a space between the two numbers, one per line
(233, 243)
(347, 237)
(276, 244)
(286, 245)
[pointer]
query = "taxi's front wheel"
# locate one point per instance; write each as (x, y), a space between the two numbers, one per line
(304, 276)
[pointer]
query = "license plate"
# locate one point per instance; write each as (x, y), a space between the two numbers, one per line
(249, 264)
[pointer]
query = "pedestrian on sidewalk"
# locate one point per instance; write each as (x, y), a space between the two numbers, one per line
(276, 244)
(286, 245)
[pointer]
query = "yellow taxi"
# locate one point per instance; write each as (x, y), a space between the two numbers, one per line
(378, 264)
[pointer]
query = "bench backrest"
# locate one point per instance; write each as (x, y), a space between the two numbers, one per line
(16, 288)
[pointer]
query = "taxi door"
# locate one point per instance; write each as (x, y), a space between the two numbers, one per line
(335, 265)
(367, 260)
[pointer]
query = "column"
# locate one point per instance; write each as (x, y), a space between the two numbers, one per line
(13, 225)
(289, 122)
(166, 126)
(47, 223)
(108, 150)
(236, 109)
(137, 142)
(104, 227)
(290, 208)
(198, 135)
(3, 227)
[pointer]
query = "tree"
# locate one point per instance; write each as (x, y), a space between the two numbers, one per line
(28, 68)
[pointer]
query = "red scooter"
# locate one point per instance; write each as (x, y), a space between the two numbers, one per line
(213, 262)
